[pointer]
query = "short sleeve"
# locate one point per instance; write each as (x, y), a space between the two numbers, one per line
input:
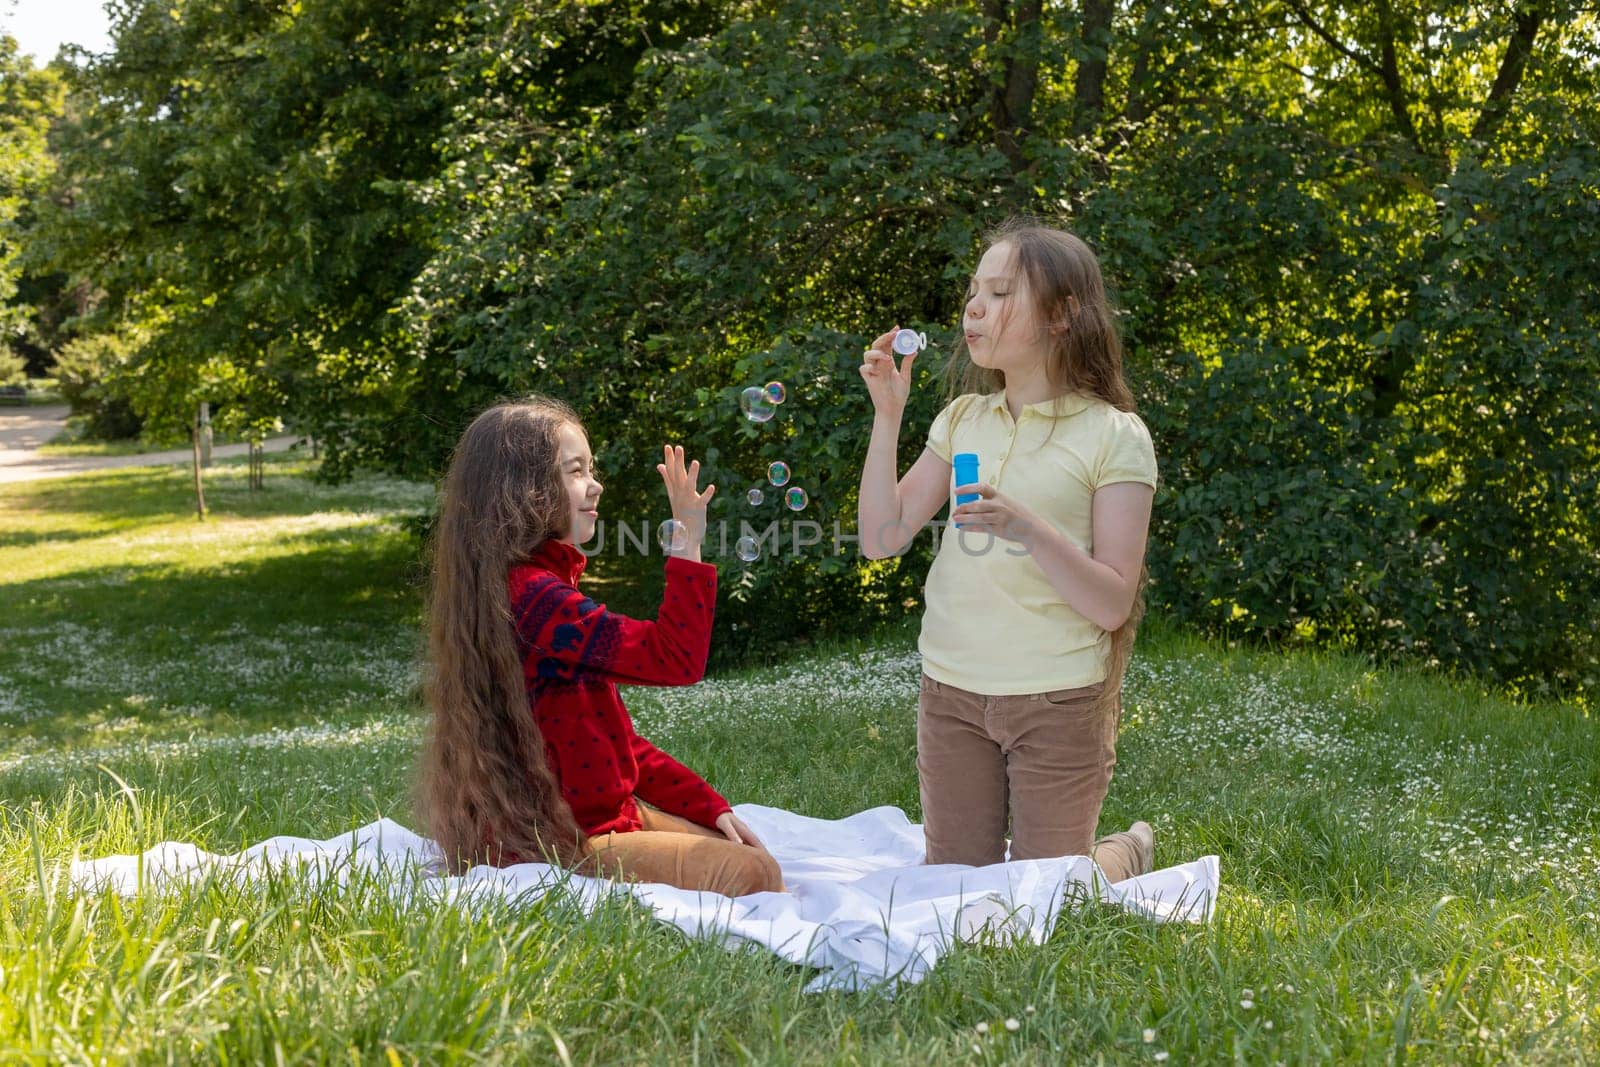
(940, 440)
(1130, 456)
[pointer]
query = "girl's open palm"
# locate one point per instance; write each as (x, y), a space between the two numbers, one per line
(887, 386)
(688, 503)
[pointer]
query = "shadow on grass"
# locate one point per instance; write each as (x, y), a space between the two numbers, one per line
(29, 538)
(333, 574)
(369, 583)
(88, 504)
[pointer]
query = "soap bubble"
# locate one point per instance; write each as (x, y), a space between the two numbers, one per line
(672, 536)
(755, 496)
(775, 392)
(747, 549)
(778, 473)
(755, 405)
(908, 342)
(796, 498)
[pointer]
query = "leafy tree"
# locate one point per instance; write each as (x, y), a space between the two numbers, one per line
(1462, 406)
(795, 179)
(238, 191)
(29, 99)
(13, 371)
(1277, 234)
(91, 373)
(1350, 242)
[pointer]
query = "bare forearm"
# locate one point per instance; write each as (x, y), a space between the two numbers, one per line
(878, 511)
(1091, 588)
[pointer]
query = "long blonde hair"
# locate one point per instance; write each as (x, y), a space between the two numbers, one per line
(1085, 357)
(486, 789)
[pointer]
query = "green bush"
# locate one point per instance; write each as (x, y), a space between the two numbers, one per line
(1271, 520)
(1410, 466)
(1316, 373)
(1364, 342)
(89, 372)
(13, 369)
(1500, 432)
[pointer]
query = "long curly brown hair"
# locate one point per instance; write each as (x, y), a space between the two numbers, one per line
(487, 793)
(1085, 357)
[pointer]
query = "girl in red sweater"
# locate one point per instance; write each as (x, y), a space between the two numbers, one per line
(531, 755)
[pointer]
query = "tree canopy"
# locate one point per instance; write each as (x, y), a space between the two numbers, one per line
(30, 99)
(1350, 241)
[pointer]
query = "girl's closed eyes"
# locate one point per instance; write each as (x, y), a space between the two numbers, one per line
(1024, 647)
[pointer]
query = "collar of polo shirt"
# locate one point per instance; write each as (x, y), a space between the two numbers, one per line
(1060, 407)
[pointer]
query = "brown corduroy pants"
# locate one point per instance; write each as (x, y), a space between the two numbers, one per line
(1043, 759)
(678, 852)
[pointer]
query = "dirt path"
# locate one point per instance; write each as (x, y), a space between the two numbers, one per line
(24, 429)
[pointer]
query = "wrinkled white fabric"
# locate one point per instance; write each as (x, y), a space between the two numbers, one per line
(861, 906)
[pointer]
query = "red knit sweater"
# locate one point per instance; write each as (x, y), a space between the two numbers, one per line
(574, 652)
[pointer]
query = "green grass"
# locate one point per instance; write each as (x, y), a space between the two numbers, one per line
(43, 391)
(70, 442)
(67, 443)
(1409, 865)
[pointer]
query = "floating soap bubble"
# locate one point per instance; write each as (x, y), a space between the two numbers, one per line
(672, 536)
(747, 549)
(755, 496)
(796, 498)
(755, 405)
(778, 473)
(910, 342)
(775, 392)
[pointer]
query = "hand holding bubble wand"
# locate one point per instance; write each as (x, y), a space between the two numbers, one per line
(893, 387)
(889, 386)
(909, 342)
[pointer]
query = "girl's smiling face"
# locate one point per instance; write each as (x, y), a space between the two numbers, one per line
(1000, 323)
(583, 488)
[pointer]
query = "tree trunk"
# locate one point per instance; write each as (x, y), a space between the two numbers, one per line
(205, 433)
(1089, 88)
(199, 488)
(1015, 34)
(1388, 381)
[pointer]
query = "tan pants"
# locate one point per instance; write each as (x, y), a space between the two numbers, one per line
(1044, 758)
(684, 854)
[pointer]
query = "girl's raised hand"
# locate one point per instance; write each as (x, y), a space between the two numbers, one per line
(887, 386)
(688, 503)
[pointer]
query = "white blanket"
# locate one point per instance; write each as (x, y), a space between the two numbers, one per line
(861, 907)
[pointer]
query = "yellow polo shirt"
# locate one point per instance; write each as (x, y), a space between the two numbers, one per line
(994, 624)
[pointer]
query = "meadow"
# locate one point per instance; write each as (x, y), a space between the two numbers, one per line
(1409, 861)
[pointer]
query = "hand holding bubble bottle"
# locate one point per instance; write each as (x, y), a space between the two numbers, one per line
(965, 467)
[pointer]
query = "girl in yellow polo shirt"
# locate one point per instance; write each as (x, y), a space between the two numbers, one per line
(1034, 596)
